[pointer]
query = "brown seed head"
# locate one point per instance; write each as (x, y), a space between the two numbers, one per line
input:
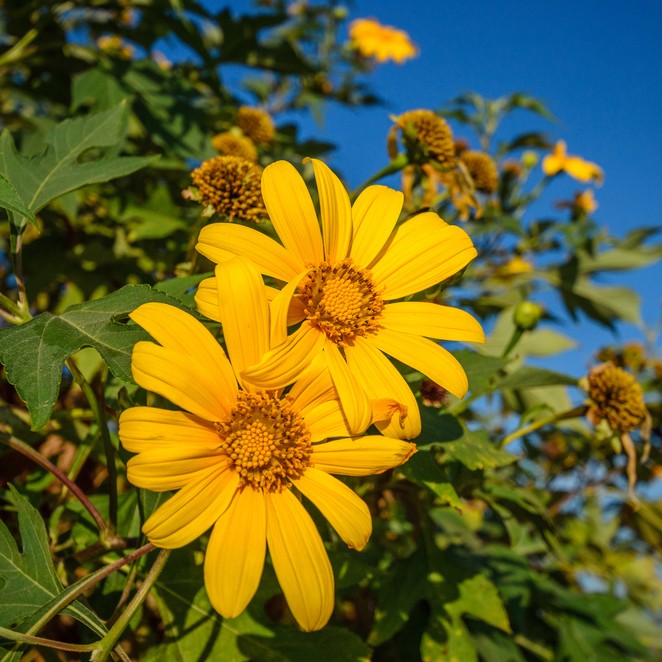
(256, 124)
(482, 169)
(615, 396)
(231, 185)
(424, 131)
(234, 144)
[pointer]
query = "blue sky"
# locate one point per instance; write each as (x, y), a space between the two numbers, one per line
(595, 64)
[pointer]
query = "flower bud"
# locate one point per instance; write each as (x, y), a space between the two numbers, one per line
(527, 315)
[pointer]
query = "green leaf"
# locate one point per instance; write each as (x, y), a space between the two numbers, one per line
(481, 370)
(475, 451)
(96, 86)
(423, 469)
(28, 578)
(34, 353)
(531, 377)
(11, 200)
(61, 168)
(193, 630)
(405, 584)
(620, 259)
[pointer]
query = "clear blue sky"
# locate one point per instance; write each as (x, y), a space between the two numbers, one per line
(595, 64)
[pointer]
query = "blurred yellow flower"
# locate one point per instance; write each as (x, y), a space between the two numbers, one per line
(383, 42)
(514, 267)
(256, 124)
(340, 285)
(575, 166)
(586, 202)
(229, 143)
(239, 457)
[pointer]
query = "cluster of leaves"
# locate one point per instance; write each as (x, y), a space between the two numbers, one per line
(533, 552)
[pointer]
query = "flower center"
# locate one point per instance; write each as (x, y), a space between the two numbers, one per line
(342, 301)
(266, 440)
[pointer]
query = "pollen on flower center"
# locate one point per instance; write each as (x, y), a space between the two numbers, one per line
(266, 440)
(341, 301)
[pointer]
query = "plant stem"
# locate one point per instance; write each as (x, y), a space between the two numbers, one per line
(110, 639)
(97, 406)
(39, 459)
(398, 163)
(571, 413)
(40, 641)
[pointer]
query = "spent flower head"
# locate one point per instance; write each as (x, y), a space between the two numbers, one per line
(229, 143)
(256, 124)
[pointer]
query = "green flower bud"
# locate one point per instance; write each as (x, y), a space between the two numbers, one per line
(527, 315)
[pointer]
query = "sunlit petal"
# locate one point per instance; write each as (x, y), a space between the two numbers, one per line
(223, 241)
(292, 213)
(145, 428)
(326, 421)
(427, 357)
(346, 512)
(354, 400)
(192, 510)
(314, 386)
(286, 310)
(432, 320)
(423, 251)
(179, 331)
(171, 468)
(335, 212)
(282, 365)
(243, 300)
(362, 456)
(206, 299)
(184, 382)
(379, 379)
(300, 560)
(235, 553)
(374, 215)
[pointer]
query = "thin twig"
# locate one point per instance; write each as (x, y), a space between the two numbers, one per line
(39, 459)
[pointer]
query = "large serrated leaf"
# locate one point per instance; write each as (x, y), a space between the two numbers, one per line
(475, 451)
(11, 200)
(34, 353)
(423, 469)
(532, 377)
(28, 577)
(61, 168)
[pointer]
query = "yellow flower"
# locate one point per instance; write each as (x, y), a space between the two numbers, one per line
(229, 143)
(575, 166)
(383, 42)
(341, 284)
(256, 124)
(238, 457)
(516, 266)
(426, 137)
(585, 201)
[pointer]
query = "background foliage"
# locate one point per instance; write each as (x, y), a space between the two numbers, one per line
(510, 535)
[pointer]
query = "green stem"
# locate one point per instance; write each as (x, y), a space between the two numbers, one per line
(40, 641)
(398, 163)
(571, 413)
(97, 406)
(512, 343)
(39, 459)
(110, 639)
(10, 306)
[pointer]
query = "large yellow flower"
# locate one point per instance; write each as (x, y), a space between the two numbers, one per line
(560, 161)
(383, 42)
(238, 456)
(340, 285)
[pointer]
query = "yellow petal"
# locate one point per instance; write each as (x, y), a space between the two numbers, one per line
(584, 171)
(374, 215)
(181, 380)
(243, 300)
(165, 469)
(285, 310)
(427, 357)
(424, 251)
(145, 428)
(222, 241)
(346, 512)
(192, 510)
(292, 213)
(300, 560)
(432, 320)
(235, 554)
(361, 457)
(335, 212)
(178, 331)
(326, 421)
(206, 299)
(295, 313)
(283, 365)
(354, 400)
(380, 380)
(313, 387)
